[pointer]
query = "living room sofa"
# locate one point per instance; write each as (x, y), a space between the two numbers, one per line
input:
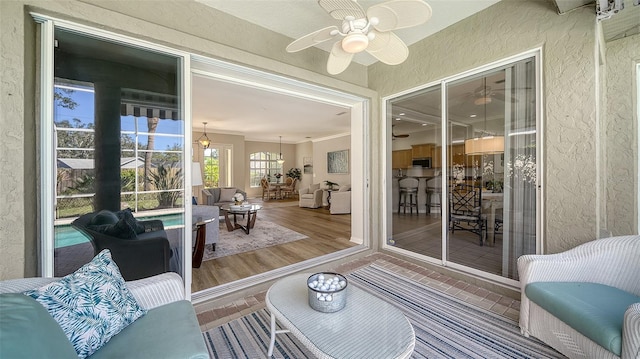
(169, 329)
(584, 302)
(219, 196)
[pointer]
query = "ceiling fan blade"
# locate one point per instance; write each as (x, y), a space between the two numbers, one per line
(503, 98)
(339, 9)
(339, 59)
(388, 48)
(312, 39)
(399, 14)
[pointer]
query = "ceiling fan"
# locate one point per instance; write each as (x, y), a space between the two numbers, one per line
(484, 94)
(365, 31)
(394, 136)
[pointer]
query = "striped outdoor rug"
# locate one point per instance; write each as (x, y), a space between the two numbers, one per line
(445, 327)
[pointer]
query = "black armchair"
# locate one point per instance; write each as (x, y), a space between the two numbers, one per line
(142, 256)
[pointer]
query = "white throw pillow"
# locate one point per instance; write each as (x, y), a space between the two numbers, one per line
(313, 187)
(91, 305)
(226, 194)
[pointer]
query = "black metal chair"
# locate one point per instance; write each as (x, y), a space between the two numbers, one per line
(465, 210)
(145, 255)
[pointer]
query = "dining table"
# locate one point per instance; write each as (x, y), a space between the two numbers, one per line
(277, 186)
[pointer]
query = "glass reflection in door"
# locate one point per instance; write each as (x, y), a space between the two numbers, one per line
(415, 213)
(491, 152)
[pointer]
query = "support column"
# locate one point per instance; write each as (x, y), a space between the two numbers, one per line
(107, 147)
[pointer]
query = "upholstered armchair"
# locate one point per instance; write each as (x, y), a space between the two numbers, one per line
(141, 253)
(341, 200)
(584, 302)
(311, 197)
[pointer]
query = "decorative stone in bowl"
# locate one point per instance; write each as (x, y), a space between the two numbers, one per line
(327, 292)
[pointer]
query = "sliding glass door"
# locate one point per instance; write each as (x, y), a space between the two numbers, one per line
(117, 135)
(473, 148)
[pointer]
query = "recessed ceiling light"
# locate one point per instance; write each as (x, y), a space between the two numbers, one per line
(401, 114)
(397, 118)
(424, 124)
(473, 115)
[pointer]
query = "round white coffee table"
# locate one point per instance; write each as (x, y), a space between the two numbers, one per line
(367, 327)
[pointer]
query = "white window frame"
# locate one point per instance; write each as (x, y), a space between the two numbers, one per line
(535, 53)
(48, 25)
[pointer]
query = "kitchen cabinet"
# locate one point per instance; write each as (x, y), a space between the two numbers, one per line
(422, 151)
(401, 159)
(436, 157)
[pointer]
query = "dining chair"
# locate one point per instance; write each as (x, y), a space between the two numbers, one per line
(465, 210)
(289, 188)
(267, 190)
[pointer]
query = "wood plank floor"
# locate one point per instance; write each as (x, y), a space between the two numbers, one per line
(327, 234)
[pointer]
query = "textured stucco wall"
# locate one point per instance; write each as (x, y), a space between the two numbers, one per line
(179, 24)
(621, 168)
(508, 28)
(18, 211)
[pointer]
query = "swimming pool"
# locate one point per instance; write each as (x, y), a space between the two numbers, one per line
(65, 235)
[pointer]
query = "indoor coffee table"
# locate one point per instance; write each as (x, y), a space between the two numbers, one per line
(251, 212)
(367, 327)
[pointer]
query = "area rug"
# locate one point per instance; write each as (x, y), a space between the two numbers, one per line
(445, 326)
(263, 234)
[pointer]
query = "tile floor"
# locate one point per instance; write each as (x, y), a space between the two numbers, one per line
(503, 305)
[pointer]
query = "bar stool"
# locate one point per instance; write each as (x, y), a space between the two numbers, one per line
(408, 194)
(434, 187)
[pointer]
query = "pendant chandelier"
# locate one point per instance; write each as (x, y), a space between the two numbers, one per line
(204, 139)
(280, 159)
(486, 144)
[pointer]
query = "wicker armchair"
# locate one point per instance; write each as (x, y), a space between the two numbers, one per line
(614, 262)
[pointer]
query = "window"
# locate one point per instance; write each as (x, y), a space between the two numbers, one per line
(264, 164)
(211, 167)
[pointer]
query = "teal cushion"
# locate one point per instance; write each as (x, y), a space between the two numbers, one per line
(28, 331)
(169, 331)
(91, 305)
(104, 217)
(595, 310)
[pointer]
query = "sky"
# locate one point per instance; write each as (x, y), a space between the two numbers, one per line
(84, 111)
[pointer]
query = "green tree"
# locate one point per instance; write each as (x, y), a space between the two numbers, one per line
(167, 178)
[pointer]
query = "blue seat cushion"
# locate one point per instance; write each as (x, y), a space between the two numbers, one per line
(168, 331)
(27, 330)
(594, 310)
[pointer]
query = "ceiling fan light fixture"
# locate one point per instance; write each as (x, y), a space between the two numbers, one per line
(482, 100)
(355, 42)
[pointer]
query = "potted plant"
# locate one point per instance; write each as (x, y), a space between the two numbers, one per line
(330, 184)
(294, 173)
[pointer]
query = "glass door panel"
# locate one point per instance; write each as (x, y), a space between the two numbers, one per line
(491, 130)
(476, 167)
(416, 198)
(119, 139)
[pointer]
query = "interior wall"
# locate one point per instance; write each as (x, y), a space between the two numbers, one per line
(621, 136)
(506, 29)
(320, 150)
(304, 150)
(170, 23)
